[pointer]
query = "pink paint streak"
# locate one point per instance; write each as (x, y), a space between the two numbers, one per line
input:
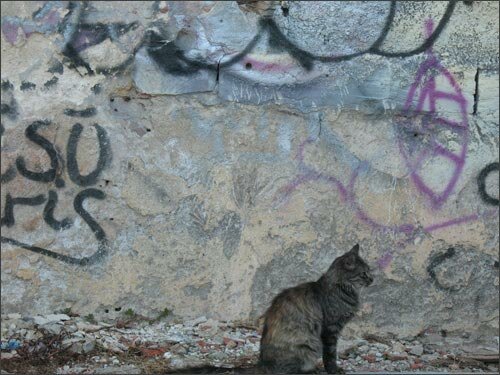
(269, 67)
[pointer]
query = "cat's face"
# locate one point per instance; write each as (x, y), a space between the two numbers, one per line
(353, 269)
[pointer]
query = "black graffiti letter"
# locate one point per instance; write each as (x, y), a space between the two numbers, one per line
(8, 218)
(104, 155)
(481, 182)
(48, 214)
(47, 176)
(94, 226)
(11, 172)
(102, 245)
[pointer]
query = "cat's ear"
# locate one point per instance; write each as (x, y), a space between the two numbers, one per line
(350, 258)
(355, 250)
(349, 261)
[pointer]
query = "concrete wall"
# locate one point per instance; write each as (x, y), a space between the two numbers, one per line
(201, 156)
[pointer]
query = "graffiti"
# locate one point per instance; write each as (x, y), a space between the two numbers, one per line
(80, 35)
(481, 182)
(25, 86)
(8, 109)
(415, 152)
(94, 226)
(172, 59)
(87, 112)
(427, 96)
(51, 82)
(8, 218)
(45, 20)
(96, 89)
(11, 112)
(104, 156)
(48, 214)
(457, 267)
(436, 261)
(51, 175)
(11, 171)
(77, 32)
(56, 67)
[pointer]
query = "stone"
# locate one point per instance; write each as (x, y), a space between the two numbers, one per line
(397, 357)
(195, 322)
(40, 320)
(5, 355)
(53, 328)
(57, 317)
(363, 349)
(417, 350)
(230, 344)
(127, 369)
(217, 356)
(167, 355)
(82, 347)
(88, 327)
(416, 366)
(178, 349)
(397, 347)
(369, 357)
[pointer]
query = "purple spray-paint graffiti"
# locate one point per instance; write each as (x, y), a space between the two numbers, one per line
(424, 96)
(427, 97)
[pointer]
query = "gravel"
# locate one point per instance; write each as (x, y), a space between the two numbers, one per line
(116, 347)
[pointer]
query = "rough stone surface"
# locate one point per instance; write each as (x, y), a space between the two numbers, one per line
(194, 158)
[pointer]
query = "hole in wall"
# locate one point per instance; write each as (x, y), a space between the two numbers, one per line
(248, 66)
(118, 308)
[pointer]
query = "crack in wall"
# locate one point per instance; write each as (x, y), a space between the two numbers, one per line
(476, 93)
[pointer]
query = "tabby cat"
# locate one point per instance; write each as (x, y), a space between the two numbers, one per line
(305, 321)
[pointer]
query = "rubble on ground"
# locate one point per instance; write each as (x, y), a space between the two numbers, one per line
(139, 346)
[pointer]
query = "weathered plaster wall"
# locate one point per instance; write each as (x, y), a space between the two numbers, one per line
(201, 156)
